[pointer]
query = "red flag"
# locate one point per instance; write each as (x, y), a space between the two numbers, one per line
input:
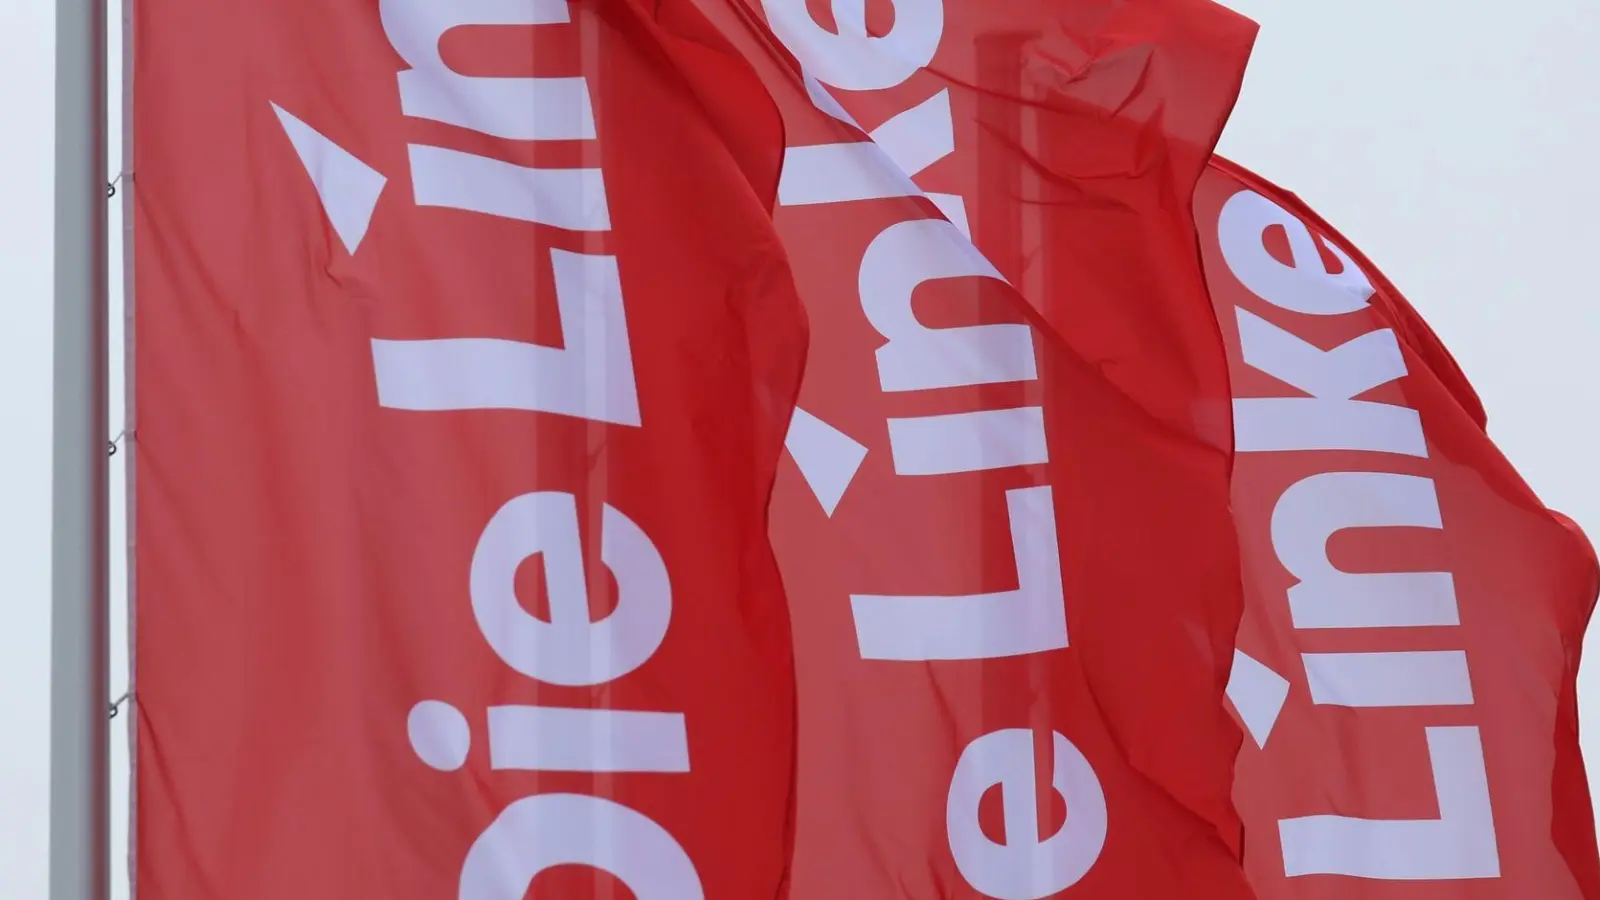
(465, 354)
(1414, 614)
(1008, 548)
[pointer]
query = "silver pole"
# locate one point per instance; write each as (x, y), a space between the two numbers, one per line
(79, 727)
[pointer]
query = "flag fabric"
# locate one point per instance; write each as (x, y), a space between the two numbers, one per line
(1406, 666)
(465, 354)
(1005, 530)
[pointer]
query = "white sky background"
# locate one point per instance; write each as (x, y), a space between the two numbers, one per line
(1454, 141)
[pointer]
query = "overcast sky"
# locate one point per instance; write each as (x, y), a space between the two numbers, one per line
(1453, 142)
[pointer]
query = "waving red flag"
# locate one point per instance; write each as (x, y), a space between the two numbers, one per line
(1006, 534)
(465, 355)
(1414, 615)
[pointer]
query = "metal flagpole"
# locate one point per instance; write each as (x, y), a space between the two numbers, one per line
(79, 727)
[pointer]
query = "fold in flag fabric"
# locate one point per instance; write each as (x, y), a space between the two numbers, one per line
(466, 350)
(1414, 614)
(1005, 534)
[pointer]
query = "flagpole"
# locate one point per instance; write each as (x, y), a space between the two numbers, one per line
(79, 727)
